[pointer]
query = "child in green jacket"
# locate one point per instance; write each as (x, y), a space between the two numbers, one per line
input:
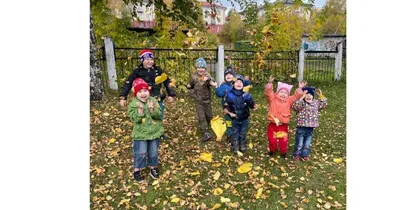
(145, 113)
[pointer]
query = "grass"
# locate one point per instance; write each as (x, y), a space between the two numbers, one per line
(316, 184)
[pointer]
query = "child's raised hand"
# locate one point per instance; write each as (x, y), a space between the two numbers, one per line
(139, 105)
(205, 78)
(214, 84)
(271, 79)
(319, 92)
(232, 114)
(302, 84)
(304, 94)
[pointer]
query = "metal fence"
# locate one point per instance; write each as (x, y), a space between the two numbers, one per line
(179, 63)
(281, 63)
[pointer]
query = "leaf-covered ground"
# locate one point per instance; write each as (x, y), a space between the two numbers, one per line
(190, 182)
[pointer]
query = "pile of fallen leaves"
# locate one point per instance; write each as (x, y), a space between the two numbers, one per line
(197, 175)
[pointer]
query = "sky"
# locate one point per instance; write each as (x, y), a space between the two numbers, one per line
(317, 3)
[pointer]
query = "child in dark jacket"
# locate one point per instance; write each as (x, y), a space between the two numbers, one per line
(307, 109)
(221, 92)
(201, 82)
(238, 107)
(146, 114)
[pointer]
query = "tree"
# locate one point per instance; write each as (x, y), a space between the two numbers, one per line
(333, 17)
(96, 83)
(233, 31)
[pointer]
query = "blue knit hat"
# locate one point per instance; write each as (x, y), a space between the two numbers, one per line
(239, 77)
(310, 90)
(201, 63)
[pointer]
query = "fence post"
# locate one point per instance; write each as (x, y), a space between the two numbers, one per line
(220, 65)
(110, 58)
(301, 63)
(338, 62)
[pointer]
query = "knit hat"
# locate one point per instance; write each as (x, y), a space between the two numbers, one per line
(146, 54)
(285, 86)
(239, 77)
(139, 84)
(229, 70)
(310, 90)
(201, 63)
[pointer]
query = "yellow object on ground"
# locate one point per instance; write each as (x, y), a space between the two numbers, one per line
(218, 126)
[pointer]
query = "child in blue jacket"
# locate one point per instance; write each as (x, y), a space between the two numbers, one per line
(221, 92)
(238, 105)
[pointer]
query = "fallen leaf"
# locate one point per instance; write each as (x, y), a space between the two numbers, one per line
(251, 145)
(226, 186)
(195, 173)
(108, 197)
(112, 140)
(106, 114)
(331, 187)
(327, 205)
(244, 168)
(292, 76)
(225, 200)
(216, 206)
(284, 205)
(175, 200)
(206, 157)
(259, 191)
(155, 182)
(216, 175)
(338, 160)
(218, 191)
(182, 100)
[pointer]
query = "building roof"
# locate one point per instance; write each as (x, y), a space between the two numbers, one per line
(206, 4)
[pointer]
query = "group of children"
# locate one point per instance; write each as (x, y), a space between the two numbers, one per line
(146, 113)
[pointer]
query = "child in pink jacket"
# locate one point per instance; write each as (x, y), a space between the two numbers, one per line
(280, 104)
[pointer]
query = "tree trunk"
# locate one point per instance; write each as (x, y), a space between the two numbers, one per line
(96, 83)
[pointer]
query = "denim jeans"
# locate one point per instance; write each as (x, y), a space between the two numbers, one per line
(303, 141)
(239, 131)
(143, 149)
(162, 108)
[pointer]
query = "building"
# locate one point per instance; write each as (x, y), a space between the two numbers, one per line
(213, 21)
(146, 16)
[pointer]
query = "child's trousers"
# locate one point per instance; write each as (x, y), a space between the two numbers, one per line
(273, 142)
(204, 114)
(303, 141)
(239, 131)
(143, 149)
(228, 121)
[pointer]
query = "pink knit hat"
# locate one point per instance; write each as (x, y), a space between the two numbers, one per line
(285, 86)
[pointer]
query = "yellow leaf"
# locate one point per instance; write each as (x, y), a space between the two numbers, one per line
(240, 154)
(96, 112)
(259, 191)
(216, 206)
(276, 120)
(247, 88)
(265, 30)
(118, 130)
(284, 205)
(331, 187)
(218, 126)
(226, 186)
(225, 200)
(195, 173)
(182, 100)
(106, 114)
(108, 197)
(137, 194)
(160, 79)
(216, 175)
(112, 140)
(155, 182)
(234, 205)
(251, 145)
(244, 168)
(175, 200)
(327, 205)
(338, 160)
(280, 134)
(227, 158)
(218, 191)
(216, 165)
(206, 157)
(292, 76)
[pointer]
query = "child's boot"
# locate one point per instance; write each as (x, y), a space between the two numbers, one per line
(138, 176)
(154, 173)
(206, 137)
(283, 156)
(242, 148)
(271, 154)
(235, 146)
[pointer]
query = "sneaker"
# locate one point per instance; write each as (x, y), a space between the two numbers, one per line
(242, 149)
(164, 137)
(306, 158)
(296, 158)
(154, 173)
(206, 137)
(138, 176)
(271, 154)
(283, 155)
